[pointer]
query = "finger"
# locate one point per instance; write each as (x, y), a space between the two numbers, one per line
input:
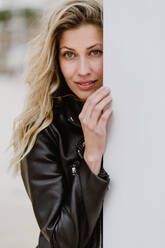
(100, 91)
(92, 108)
(98, 110)
(102, 123)
(92, 100)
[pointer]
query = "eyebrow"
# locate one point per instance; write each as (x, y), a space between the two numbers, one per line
(87, 48)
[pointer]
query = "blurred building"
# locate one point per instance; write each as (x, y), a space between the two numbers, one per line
(19, 22)
(23, 3)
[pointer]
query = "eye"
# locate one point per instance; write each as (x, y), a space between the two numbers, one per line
(68, 55)
(96, 52)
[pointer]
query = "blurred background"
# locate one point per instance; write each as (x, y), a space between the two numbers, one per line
(19, 22)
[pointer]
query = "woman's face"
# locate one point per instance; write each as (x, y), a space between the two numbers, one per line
(81, 59)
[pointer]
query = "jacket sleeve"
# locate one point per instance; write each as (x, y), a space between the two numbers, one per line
(65, 218)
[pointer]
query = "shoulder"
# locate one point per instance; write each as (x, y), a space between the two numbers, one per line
(42, 161)
(42, 157)
(44, 150)
(48, 136)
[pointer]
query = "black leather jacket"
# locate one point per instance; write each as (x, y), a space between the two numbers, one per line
(67, 198)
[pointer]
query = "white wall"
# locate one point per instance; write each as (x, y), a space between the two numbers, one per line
(134, 53)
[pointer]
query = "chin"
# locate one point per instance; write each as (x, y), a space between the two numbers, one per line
(84, 97)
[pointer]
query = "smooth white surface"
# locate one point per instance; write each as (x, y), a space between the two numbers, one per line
(134, 61)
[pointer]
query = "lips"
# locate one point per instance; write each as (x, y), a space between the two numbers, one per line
(86, 85)
(86, 82)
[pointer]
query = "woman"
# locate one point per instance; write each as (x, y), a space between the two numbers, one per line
(60, 137)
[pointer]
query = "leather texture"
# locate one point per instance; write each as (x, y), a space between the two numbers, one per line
(67, 197)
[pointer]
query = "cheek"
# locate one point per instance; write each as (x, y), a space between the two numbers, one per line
(66, 69)
(99, 67)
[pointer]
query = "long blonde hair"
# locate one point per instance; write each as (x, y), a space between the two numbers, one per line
(43, 73)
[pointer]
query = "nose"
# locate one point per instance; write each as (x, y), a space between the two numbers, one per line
(83, 67)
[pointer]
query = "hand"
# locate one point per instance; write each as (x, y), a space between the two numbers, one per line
(94, 118)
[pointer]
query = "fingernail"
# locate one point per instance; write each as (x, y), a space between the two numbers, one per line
(106, 88)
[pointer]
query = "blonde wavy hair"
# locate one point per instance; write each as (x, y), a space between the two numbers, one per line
(43, 73)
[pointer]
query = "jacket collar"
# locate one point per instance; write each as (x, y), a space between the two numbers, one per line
(71, 108)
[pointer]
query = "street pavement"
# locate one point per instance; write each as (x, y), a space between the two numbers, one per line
(18, 227)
